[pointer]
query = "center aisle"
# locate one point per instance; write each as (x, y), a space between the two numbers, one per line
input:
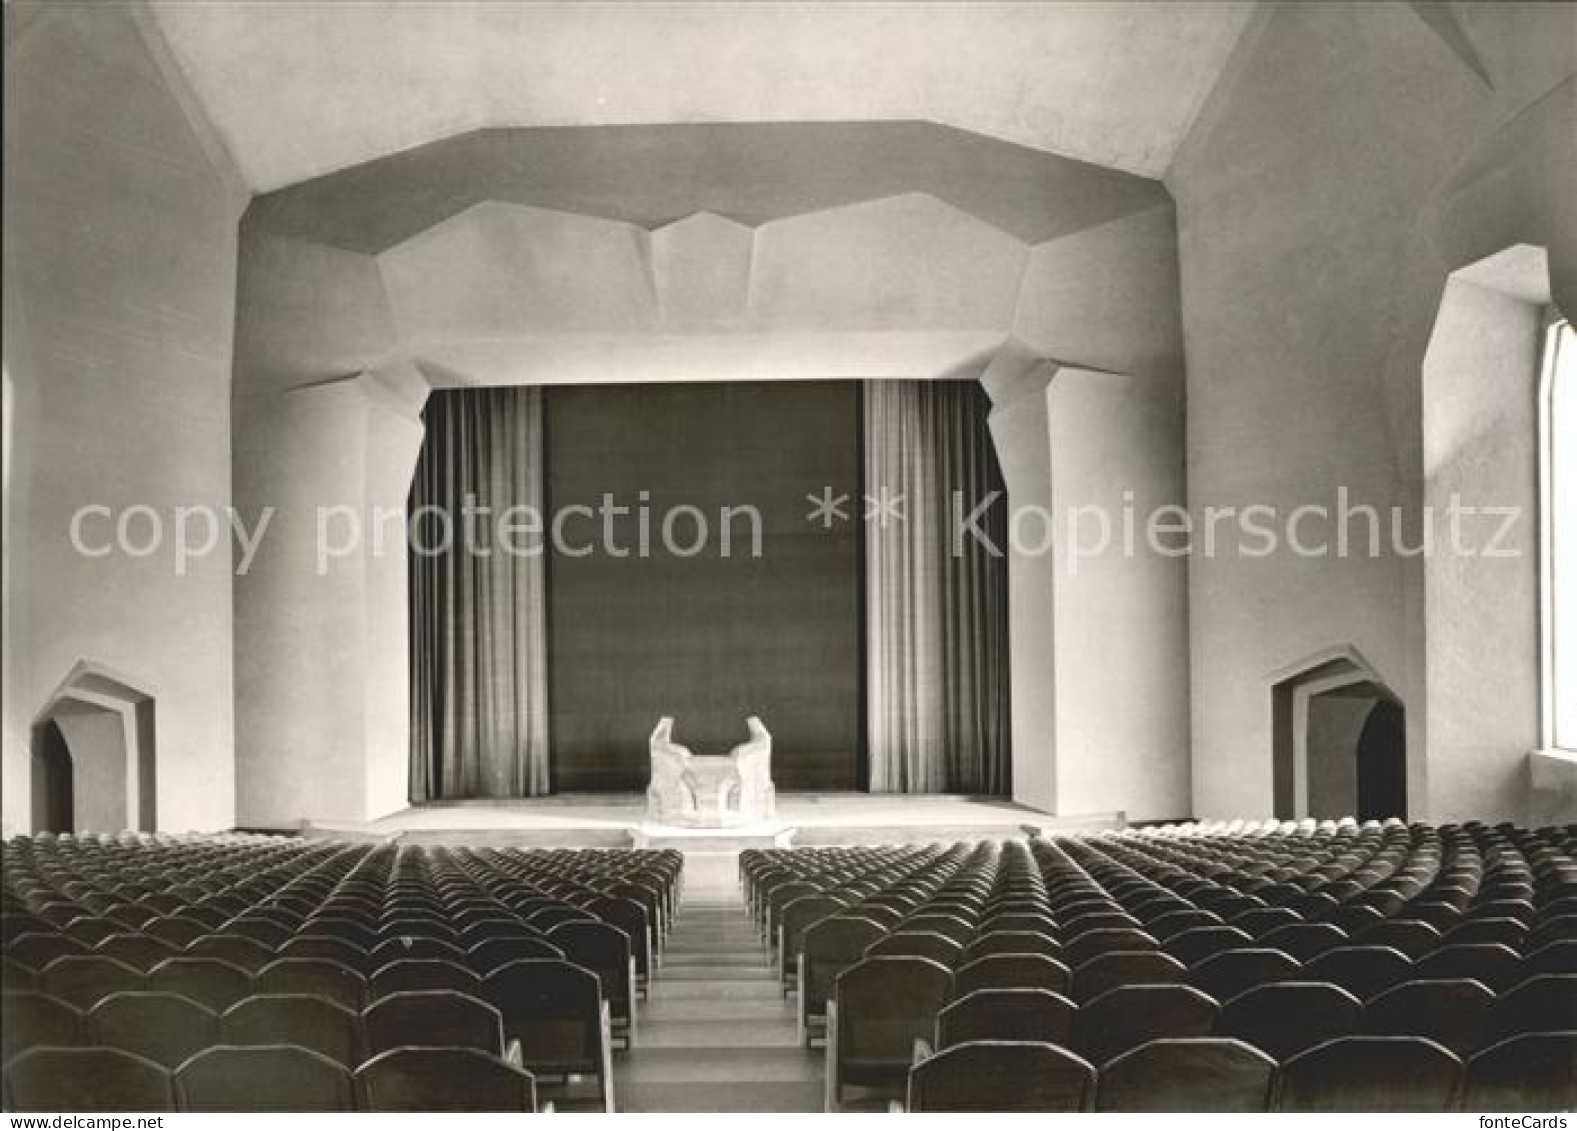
(717, 1033)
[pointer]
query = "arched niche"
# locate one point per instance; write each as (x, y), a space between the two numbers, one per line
(1338, 739)
(94, 758)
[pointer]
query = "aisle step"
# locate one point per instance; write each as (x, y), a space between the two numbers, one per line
(716, 1033)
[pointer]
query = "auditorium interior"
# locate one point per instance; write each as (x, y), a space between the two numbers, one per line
(789, 556)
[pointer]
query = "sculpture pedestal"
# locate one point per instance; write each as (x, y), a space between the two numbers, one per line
(710, 791)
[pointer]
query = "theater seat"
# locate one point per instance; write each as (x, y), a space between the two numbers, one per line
(295, 1019)
(1126, 1017)
(1285, 1018)
(1006, 1015)
(319, 977)
(32, 1020)
(883, 1005)
(1225, 975)
(1011, 971)
(443, 1080)
(433, 1017)
(1533, 1072)
(1019, 1076)
(276, 1078)
(1122, 968)
(161, 1027)
(1449, 1011)
(1362, 971)
(1204, 1074)
(1370, 1074)
(1546, 1003)
(86, 1079)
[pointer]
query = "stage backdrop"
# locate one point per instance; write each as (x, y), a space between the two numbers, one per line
(706, 638)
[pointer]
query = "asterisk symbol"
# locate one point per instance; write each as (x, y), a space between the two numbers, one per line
(827, 507)
(885, 506)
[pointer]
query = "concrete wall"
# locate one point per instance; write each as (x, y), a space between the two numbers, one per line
(1482, 609)
(1348, 161)
(120, 249)
(1121, 638)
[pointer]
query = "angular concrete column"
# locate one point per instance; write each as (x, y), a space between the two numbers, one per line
(322, 726)
(1017, 384)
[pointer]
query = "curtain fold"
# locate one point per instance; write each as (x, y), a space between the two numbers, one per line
(936, 605)
(479, 722)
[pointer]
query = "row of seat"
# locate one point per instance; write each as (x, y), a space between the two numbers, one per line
(1208, 1074)
(312, 937)
(266, 1078)
(1306, 932)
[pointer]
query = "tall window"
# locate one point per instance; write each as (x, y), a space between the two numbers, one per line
(1558, 534)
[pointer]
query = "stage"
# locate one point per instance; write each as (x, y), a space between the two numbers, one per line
(619, 821)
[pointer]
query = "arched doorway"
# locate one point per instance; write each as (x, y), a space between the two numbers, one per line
(1340, 740)
(93, 756)
(53, 805)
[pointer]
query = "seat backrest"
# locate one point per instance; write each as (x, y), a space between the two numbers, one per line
(1223, 976)
(403, 947)
(1532, 1072)
(1204, 1074)
(422, 974)
(488, 955)
(1558, 957)
(1005, 1015)
(918, 944)
(1494, 964)
(831, 946)
(1304, 940)
(1106, 940)
(1362, 971)
(1194, 945)
(139, 951)
(238, 950)
(1125, 1017)
(263, 1078)
(1544, 1003)
(86, 1079)
(553, 1008)
(83, 980)
(887, 1003)
(443, 1079)
(209, 981)
(320, 977)
(161, 1027)
(1285, 1018)
(1412, 937)
(433, 1017)
(1124, 967)
(1487, 929)
(295, 1019)
(1027, 1076)
(32, 1020)
(37, 949)
(1449, 1011)
(1011, 971)
(1370, 1074)
(347, 954)
(1014, 942)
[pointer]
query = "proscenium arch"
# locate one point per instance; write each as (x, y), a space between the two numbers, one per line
(343, 328)
(94, 689)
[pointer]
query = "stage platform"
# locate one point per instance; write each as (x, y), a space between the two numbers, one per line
(619, 821)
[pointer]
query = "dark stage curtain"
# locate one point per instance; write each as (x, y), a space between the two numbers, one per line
(479, 724)
(936, 613)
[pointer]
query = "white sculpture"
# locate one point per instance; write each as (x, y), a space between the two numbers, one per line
(711, 791)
